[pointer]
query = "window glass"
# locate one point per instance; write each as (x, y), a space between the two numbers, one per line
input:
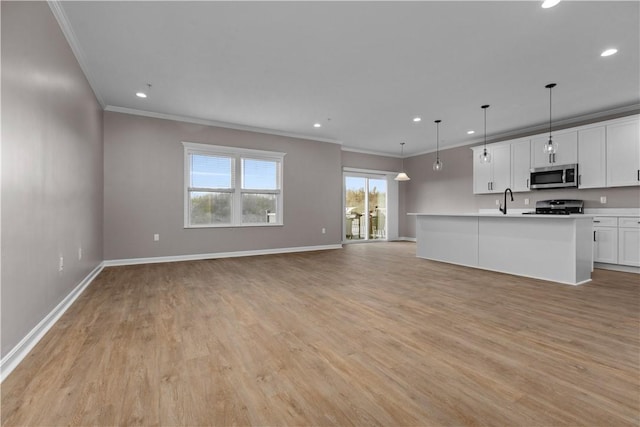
(210, 208)
(259, 208)
(211, 171)
(259, 174)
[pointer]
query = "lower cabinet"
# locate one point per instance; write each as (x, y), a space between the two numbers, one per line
(629, 241)
(616, 240)
(605, 239)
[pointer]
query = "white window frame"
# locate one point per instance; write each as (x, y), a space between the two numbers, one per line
(236, 154)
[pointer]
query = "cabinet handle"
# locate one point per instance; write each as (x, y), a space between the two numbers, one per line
(488, 186)
(550, 161)
(527, 182)
(638, 174)
(579, 180)
(596, 220)
(594, 235)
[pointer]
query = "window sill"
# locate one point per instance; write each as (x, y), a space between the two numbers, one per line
(187, 227)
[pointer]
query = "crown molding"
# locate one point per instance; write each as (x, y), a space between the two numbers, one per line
(69, 34)
(372, 152)
(558, 125)
(215, 123)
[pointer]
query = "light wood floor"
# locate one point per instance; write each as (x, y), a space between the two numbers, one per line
(366, 335)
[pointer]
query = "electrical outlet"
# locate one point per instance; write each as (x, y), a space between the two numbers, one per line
(603, 200)
(79, 253)
(324, 230)
(156, 237)
(61, 263)
(526, 201)
(497, 202)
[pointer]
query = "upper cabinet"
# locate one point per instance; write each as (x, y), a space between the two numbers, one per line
(592, 157)
(607, 154)
(623, 153)
(566, 153)
(520, 164)
(495, 176)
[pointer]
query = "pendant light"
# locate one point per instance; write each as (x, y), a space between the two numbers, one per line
(485, 157)
(550, 147)
(402, 176)
(437, 165)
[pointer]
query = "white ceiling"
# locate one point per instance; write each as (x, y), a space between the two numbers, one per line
(362, 69)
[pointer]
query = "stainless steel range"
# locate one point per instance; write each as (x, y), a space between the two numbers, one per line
(558, 207)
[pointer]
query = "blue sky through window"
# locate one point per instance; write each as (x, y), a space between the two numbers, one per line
(210, 171)
(259, 174)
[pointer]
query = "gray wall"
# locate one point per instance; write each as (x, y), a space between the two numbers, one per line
(451, 190)
(353, 159)
(144, 193)
(51, 169)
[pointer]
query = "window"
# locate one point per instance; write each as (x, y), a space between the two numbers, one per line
(228, 187)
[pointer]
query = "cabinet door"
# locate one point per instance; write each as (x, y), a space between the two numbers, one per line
(623, 154)
(566, 154)
(605, 244)
(482, 173)
(520, 165)
(501, 160)
(629, 246)
(592, 158)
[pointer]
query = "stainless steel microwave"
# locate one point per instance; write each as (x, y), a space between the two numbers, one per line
(560, 176)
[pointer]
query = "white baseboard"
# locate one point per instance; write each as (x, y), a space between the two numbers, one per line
(196, 257)
(20, 351)
(617, 267)
(406, 239)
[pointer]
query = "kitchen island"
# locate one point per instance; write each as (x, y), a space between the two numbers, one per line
(557, 248)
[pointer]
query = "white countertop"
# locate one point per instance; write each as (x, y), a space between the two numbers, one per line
(500, 215)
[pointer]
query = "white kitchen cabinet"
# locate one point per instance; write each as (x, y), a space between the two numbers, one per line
(592, 158)
(520, 164)
(605, 239)
(495, 176)
(623, 153)
(629, 241)
(567, 152)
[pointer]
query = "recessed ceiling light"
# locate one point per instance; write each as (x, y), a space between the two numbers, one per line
(317, 125)
(546, 4)
(471, 132)
(417, 119)
(609, 52)
(141, 95)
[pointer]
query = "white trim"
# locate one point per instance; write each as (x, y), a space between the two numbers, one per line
(226, 125)
(69, 34)
(22, 349)
(216, 255)
(368, 171)
(532, 131)
(195, 147)
(372, 152)
(406, 239)
(617, 267)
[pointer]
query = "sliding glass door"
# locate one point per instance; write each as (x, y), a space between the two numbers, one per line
(365, 201)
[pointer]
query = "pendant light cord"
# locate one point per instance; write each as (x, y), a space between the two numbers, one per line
(484, 107)
(550, 87)
(437, 139)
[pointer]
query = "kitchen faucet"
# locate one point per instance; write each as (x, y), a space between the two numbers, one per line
(504, 210)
